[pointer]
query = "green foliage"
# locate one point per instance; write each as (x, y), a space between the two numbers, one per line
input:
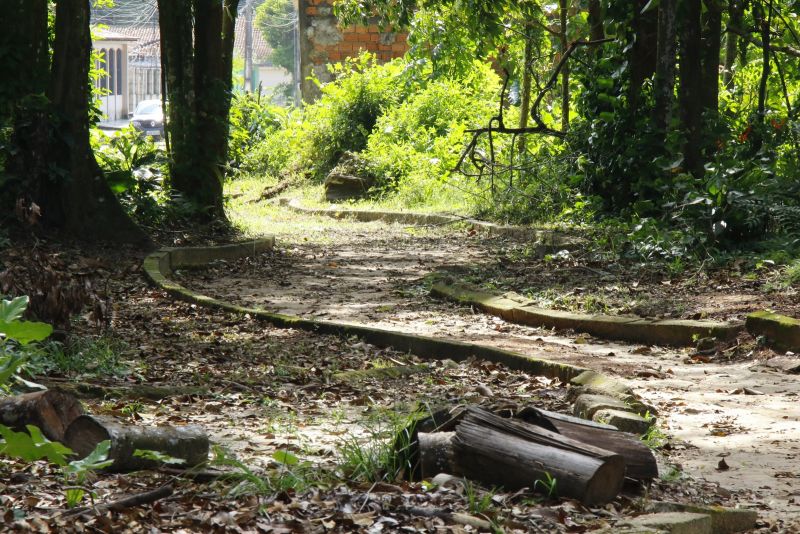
(134, 168)
(158, 456)
(251, 122)
(416, 143)
(16, 335)
(291, 473)
(382, 454)
(549, 485)
(81, 356)
(31, 446)
(478, 502)
(276, 21)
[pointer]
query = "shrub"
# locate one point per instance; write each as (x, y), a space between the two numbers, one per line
(134, 167)
(251, 122)
(416, 143)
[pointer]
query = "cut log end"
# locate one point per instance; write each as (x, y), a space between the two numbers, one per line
(51, 411)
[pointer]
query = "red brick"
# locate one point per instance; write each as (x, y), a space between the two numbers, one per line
(311, 11)
(399, 47)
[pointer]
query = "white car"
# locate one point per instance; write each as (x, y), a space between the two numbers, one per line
(148, 118)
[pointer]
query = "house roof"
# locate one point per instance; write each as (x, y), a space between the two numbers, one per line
(148, 42)
(103, 34)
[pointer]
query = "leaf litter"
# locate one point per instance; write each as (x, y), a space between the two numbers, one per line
(260, 390)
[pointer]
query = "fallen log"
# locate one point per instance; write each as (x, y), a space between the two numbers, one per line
(51, 411)
(189, 443)
(515, 454)
(640, 462)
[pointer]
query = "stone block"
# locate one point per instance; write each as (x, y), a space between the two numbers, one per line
(674, 522)
(587, 405)
(625, 421)
(723, 520)
(781, 331)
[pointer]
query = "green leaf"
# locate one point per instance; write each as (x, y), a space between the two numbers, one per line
(652, 4)
(158, 456)
(24, 332)
(74, 496)
(9, 366)
(96, 460)
(11, 310)
(32, 446)
(285, 458)
(120, 181)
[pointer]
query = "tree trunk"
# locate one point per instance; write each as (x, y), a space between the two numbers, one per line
(735, 13)
(764, 22)
(51, 411)
(565, 69)
(690, 91)
(81, 204)
(712, 41)
(596, 31)
(26, 43)
(643, 52)
(189, 443)
(664, 83)
(199, 86)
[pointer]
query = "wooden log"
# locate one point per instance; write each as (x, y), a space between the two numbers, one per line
(436, 454)
(188, 442)
(514, 454)
(51, 410)
(640, 462)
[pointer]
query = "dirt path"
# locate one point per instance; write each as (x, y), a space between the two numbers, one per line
(379, 275)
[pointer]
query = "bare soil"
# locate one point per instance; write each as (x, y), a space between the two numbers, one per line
(262, 389)
(719, 404)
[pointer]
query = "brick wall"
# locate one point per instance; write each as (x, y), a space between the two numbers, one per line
(323, 41)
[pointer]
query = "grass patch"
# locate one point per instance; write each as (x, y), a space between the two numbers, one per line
(82, 356)
(381, 454)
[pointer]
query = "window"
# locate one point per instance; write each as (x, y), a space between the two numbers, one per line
(112, 77)
(119, 72)
(104, 66)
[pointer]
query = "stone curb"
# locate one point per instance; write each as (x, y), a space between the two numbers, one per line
(515, 308)
(723, 520)
(781, 331)
(549, 240)
(159, 265)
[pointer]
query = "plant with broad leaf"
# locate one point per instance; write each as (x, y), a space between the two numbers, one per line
(15, 335)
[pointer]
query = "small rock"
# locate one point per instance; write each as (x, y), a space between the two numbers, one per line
(674, 522)
(625, 421)
(587, 405)
(446, 480)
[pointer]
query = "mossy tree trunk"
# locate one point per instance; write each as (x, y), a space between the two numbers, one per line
(54, 166)
(84, 204)
(197, 57)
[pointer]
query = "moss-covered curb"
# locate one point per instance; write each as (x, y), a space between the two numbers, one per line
(780, 331)
(159, 265)
(549, 240)
(516, 309)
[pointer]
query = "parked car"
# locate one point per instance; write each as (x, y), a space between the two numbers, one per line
(148, 118)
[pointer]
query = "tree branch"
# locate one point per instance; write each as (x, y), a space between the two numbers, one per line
(752, 40)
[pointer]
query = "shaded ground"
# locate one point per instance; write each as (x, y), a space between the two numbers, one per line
(379, 275)
(259, 390)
